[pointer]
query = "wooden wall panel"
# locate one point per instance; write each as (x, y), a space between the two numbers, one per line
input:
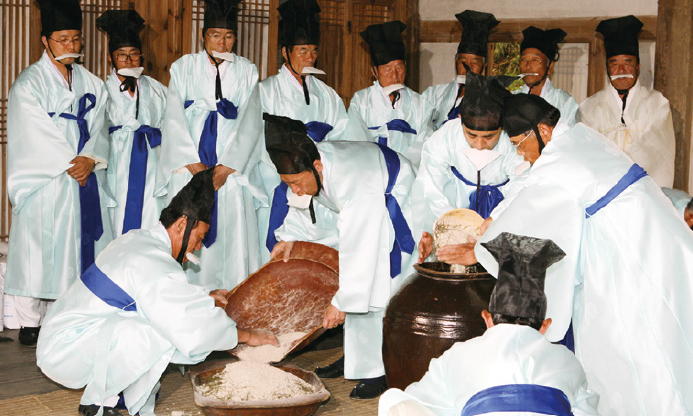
(674, 78)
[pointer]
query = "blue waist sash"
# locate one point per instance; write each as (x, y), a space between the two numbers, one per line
(633, 175)
(138, 173)
(518, 398)
(404, 241)
(89, 201)
(394, 125)
(318, 130)
(207, 150)
(454, 113)
(488, 197)
(107, 290)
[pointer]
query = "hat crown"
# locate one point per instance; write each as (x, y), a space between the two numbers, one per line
(475, 30)
(221, 14)
(300, 23)
(385, 42)
(545, 41)
(122, 27)
(621, 35)
(59, 15)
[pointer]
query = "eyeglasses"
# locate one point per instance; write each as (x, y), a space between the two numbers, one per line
(517, 145)
(123, 57)
(229, 37)
(66, 41)
(533, 62)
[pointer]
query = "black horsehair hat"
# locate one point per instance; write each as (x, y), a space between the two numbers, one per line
(59, 15)
(522, 263)
(300, 24)
(221, 14)
(621, 36)
(385, 42)
(545, 40)
(475, 29)
(482, 106)
(122, 27)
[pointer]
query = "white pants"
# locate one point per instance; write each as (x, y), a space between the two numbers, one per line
(363, 345)
(30, 311)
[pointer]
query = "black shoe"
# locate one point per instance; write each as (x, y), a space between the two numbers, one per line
(28, 335)
(334, 370)
(92, 410)
(369, 388)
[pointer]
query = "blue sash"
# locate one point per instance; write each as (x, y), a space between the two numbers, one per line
(394, 125)
(89, 201)
(489, 198)
(317, 131)
(518, 398)
(404, 241)
(138, 173)
(633, 175)
(207, 150)
(454, 113)
(105, 289)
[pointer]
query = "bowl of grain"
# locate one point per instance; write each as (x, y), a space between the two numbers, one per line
(241, 388)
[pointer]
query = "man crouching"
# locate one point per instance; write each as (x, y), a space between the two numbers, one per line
(133, 312)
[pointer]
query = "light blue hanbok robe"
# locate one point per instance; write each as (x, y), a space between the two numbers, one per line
(45, 254)
(505, 355)
(679, 198)
(443, 98)
(124, 127)
(558, 98)
(109, 349)
(438, 189)
(355, 179)
(403, 129)
(190, 105)
(626, 278)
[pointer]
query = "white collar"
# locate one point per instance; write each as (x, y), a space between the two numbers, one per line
(398, 103)
(213, 69)
(126, 93)
(325, 175)
(159, 231)
(292, 80)
(55, 69)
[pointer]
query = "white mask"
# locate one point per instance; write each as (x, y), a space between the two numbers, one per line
(131, 72)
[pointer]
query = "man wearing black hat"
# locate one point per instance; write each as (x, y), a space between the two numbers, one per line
(396, 116)
(57, 152)
(213, 118)
(366, 186)
(133, 312)
(471, 53)
(627, 291)
(135, 112)
(467, 162)
(636, 118)
(296, 93)
(538, 56)
(512, 362)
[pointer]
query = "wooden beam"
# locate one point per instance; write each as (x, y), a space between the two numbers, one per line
(580, 30)
(674, 79)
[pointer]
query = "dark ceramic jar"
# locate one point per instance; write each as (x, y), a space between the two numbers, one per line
(428, 315)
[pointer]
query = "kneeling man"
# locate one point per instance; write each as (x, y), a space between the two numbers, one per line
(512, 368)
(133, 312)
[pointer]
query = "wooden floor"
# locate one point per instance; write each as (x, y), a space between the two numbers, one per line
(25, 391)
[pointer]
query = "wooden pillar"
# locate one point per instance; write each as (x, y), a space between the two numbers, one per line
(413, 22)
(596, 78)
(674, 79)
(163, 37)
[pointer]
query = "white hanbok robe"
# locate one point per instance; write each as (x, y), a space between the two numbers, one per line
(442, 97)
(236, 252)
(45, 251)
(625, 280)
(355, 177)
(437, 190)
(647, 134)
(376, 111)
(120, 111)
(84, 341)
(558, 98)
(505, 354)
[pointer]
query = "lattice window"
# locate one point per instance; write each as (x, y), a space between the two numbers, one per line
(15, 51)
(330, 58)
(253, 32)
(95, 47)
(364, 15)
